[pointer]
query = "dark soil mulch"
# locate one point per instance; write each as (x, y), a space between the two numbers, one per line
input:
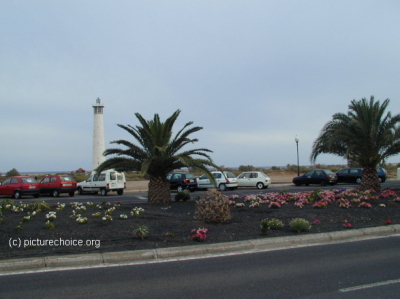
(177, 219)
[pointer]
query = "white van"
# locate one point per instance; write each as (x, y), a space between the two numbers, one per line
(106, 181)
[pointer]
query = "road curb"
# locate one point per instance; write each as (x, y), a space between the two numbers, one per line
(52, 263)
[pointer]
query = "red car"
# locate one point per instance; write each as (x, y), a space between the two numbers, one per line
(57, 184)
(18, 186)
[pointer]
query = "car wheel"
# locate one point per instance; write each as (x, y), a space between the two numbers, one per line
(56, 193)
(80, 191)
(260, 185)
(222, 187)
(323, 183)
(71, 194)
(103, 192)
(358, 180)
(179, 188)
(17, 195)
(297, 183)
(120, 192)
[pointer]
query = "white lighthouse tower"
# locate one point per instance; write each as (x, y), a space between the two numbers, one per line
(98, 135)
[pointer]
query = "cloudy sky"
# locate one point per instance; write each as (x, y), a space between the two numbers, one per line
(254, 74)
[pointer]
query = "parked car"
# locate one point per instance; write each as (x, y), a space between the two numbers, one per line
(253, 179)
(18, 186)
(224, 180)
(106, 181)
(180, 181)
(354, 175)
(316, 176)
(57, 184)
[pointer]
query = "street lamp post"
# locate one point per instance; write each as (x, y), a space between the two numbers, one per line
(297, 146)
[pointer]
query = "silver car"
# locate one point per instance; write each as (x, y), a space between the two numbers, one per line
(224, 180)
(254, 179)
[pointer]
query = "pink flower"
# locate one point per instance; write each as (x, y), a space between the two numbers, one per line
(347, 224)
(200, 234)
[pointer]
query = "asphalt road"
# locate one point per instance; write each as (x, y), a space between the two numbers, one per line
(363, 269)
(139, 197)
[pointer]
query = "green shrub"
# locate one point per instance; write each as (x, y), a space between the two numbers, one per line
(315, 195)
(273, 223)
(142, 231)
(183, 195)
(7, 201)
(300, 225)
(39, 205)
(213, 207)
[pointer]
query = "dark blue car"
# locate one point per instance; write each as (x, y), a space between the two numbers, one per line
(322, 177)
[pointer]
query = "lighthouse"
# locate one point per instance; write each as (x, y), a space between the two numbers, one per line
(98, 135)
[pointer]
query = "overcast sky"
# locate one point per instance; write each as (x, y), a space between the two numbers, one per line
(253, 74)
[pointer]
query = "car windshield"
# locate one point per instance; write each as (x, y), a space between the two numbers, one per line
(190, 176)
(28, 180)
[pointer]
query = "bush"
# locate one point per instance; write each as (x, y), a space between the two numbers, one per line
(300, 225)
(183, 195)
(12, 172)
(214, 207)
(142, 231)
(267, 224)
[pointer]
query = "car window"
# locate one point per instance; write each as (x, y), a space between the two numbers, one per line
(28, 180)
(53, 179)
(119, 176)
(95, 177)
(67, 178)
(46, 180)
(169, 175)
(329, 172)
(352, 171)
(14, 181)
(102, 177)
(177, 176)
(230, 175)
(203, 177)
(113, 176)
(190, 176)
(309, 173)
(319, 173)
(217, 175)
(245, 175)
(6, 182)
(343, 171)
(254, 175)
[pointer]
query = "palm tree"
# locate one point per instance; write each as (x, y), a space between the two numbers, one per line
(158, 153)
(365, 135)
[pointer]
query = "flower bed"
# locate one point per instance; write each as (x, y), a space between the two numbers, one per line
(109, 226)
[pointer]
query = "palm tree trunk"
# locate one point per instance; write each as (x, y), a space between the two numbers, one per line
(159, 191)
(370, 179)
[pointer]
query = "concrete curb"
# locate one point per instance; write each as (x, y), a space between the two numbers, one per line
(52, 263)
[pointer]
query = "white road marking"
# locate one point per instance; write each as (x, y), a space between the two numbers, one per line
(370, 285)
